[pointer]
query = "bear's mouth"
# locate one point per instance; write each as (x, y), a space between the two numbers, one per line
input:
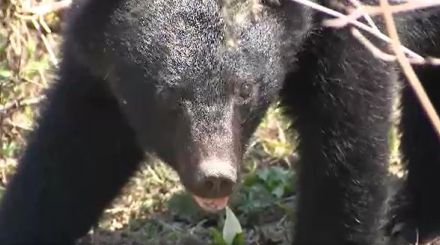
(212, 205)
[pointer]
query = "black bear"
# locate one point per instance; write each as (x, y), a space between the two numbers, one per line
(189, 80)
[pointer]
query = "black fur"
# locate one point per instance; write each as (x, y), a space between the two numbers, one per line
(190, 80)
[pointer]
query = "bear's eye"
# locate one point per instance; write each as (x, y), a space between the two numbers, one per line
(244, 91)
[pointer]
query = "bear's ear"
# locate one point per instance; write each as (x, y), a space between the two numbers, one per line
(297, 17)
(272, 3)
(283, 4)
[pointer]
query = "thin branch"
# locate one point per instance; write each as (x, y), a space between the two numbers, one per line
(342, 22)
(404, 7)
(407, 68)
(378, 53)
(358, 24)
(364, 10)
(366, 16)
(371, 47)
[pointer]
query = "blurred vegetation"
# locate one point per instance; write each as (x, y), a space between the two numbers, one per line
(153, 208)
(25, 70)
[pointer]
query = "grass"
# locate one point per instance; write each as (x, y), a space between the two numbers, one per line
(152, 207)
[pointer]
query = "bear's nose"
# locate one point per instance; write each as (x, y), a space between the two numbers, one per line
(216, 179)
(218, 186)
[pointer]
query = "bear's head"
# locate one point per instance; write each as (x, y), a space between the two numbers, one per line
(193, 77)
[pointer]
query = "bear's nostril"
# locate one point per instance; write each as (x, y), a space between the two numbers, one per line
(212, 184)
(217, 186)
(215, 179)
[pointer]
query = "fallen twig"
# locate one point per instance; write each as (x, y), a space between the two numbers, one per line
(44, 9)
(20, 103)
